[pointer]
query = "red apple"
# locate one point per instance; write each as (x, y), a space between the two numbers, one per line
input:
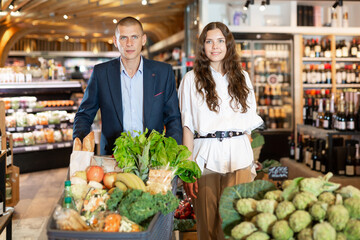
(109, 179)
(95, 173)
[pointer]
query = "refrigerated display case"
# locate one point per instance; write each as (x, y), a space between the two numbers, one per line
(268, 60)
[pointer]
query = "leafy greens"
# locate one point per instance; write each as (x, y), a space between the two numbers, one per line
(138, 154)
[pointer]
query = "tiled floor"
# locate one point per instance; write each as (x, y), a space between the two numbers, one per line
(39, 193)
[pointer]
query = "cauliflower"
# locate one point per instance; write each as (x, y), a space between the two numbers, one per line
(274, 195)
(324, 231)
(318, 211)
(284, 209)
(352, 230)
(266, 206)
(79, 191)
(242, 230)
(353, 206)
(318, 185)
(327, 197)
(303, 200)
(340, 236)
(299, 220)
(338, 216)
(305, 234)
(265, 220)
(258, 236)
(286, 183)
(349, 191)
(246, 207)
(281, 230)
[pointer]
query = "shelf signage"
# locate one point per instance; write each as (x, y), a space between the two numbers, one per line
(278, 173)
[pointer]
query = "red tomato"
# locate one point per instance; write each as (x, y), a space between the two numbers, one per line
(95, 173)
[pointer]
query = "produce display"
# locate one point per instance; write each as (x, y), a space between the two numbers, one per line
(305, 208)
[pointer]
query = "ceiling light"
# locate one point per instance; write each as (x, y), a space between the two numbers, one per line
(263, 3)
(247, 4)
(114, 21)
(15, 14)
(66, 37)
(65, 16)
(11, 6)
(144, 2)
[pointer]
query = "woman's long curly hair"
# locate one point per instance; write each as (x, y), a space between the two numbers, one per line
(205, 83)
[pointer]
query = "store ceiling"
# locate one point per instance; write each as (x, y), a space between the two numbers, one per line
(92, 19)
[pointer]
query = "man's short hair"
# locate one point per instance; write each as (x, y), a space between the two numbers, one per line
(128, 21)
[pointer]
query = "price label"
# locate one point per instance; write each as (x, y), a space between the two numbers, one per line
(67, 144)
(278, 173)
(10, 110)
(63, 125)
(61, 145)
(12, 129)
(29, 110)
(51, 126)
(39, 127)
(28, 149)
(20, 129)
(35, 148)
(49, 147)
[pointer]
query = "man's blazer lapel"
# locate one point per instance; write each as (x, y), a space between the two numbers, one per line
(115, 87)
(149, 87)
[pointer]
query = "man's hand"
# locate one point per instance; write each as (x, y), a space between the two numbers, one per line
(191, 189)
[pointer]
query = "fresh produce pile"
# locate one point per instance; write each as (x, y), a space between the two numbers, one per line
(141, 153)
(184, 216)
(306, 208)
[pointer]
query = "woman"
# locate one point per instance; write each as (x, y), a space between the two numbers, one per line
(218, 111)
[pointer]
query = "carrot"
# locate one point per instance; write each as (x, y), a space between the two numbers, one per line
(112, 223)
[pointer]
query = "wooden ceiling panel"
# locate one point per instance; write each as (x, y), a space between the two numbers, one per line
(160, 18)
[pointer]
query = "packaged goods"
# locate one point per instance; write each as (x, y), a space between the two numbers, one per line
(29, 139)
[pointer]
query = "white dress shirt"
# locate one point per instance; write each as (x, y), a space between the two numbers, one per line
(231, 153)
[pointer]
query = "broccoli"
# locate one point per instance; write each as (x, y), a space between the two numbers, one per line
(242, 230)
(349, 191)
(114, 199)
(265, 220)
(246, 207)
(327, 197)
(353, 206)
(324, 231)
(266, 206)
(303, 200)
(318, 211)
(305, 234)
(318, 185)
(338, 216)
(258, 236)
(352, 230)
(281, 230)
(284, 209)
(299, 220)
(274, 195)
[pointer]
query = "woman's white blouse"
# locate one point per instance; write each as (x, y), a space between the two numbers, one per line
(232, 153)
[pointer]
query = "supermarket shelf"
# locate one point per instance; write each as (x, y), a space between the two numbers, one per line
(316, 59)
(276, 84)
(42, 84)
(350, 85)
(310, 85)
(347, 59)
(322, 133)
(34, 110)
(42, 147)
(112, 54)
(39, 127)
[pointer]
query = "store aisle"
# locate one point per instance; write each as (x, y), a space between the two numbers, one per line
(39, 192)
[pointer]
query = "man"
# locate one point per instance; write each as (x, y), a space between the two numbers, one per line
(133, 93)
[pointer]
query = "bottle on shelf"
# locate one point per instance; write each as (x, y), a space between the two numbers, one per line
(320, 115)
(308, 152)
(338, 52)
(327, 120)
(307, 48)
(327, 52)
(292, 147)
(314, 157)
(345, 49)
(349, 164)
(353, 49)
(317, 163)
(317, 48)
(323, 160)
(357, 160)
(350, 118)
(299, 148)
(341, 117)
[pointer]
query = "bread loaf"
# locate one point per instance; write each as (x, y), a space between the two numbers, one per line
(89, 142)
(77, 145)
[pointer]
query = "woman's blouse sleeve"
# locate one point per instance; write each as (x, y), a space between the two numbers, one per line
(255, 119)
(185, 104)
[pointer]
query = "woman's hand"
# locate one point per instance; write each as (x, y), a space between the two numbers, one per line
(249, 136)
(191, 189)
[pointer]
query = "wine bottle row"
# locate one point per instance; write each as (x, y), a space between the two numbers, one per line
(274, 118)
(314, 48)
(322, 112)
(314, 154)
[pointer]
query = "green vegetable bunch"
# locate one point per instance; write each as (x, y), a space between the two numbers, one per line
(308, 208)
(138, 154)
(140, 206)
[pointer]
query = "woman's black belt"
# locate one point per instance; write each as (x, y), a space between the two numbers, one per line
(220, 135)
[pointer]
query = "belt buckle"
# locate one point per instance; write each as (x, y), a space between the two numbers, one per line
(221, 135)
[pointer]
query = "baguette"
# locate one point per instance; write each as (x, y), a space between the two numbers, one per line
(89, 142)
(77, 144)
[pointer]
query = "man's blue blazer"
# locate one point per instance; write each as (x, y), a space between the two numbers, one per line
(161, 104)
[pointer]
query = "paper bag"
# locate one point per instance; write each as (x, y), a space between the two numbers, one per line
(79, 161)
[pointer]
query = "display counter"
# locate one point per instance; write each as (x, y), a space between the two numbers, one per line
(300, 170)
